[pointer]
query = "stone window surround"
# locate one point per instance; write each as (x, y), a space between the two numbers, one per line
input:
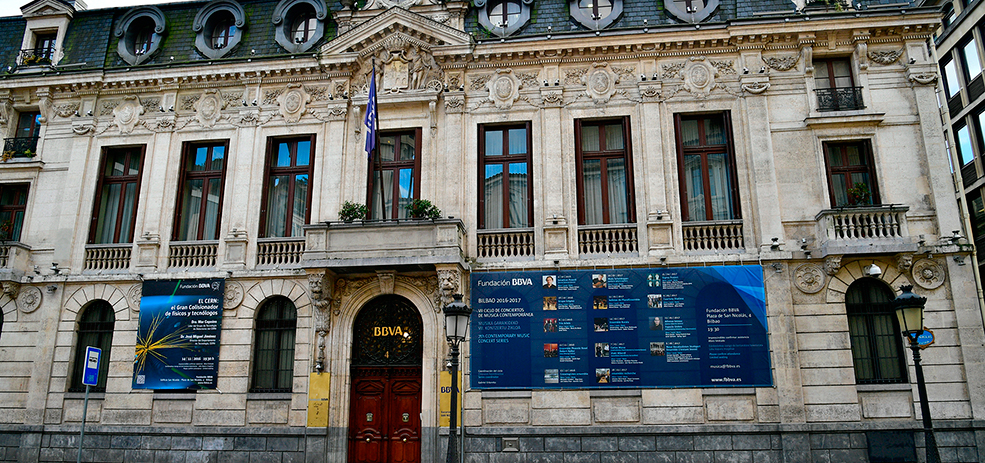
(283, 19)
(673, 9)
(584, 19)
(485, 5)
(126, 31)
(205, 23)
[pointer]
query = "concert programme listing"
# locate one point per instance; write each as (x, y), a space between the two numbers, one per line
(664, 327)
(178, 334)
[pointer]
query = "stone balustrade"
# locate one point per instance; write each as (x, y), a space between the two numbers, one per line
(101, 257)
(505, 243)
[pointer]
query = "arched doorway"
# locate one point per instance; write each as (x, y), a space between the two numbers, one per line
(385, 408)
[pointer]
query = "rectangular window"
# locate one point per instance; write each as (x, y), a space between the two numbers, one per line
(951, 83)
(706, 166)
(965, 151)
(835, 86)
(397, 168)
(44, 46)
(25, 140)
(203, 170)
(605, 172)
(287, 192)
(506, 194)
(13, 204)
(116, 196)
(851, 174)
(970, 59)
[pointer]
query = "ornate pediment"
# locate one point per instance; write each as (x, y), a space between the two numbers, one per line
(47, 8)
(393, 25)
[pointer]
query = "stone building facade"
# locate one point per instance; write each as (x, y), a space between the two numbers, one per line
(222, 140)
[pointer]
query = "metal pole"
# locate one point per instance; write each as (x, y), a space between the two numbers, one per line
(930, 442)
(453, 422)
(82, 432)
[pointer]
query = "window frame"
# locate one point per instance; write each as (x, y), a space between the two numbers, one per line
(293, 170)
(280, 327)
(22, 190)
(186, 176)
(587, 18)
(867, 311)
(964, 61)
(870, 169)
(102, 331)
(704, 150)
(44, 44)
(505, 160)
(374, 173)
(485, 7)
(605, 155)
(954, 74)
(104, 181)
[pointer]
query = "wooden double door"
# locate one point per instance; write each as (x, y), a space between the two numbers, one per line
(385, 399)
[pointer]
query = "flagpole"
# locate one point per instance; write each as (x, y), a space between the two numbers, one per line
(376, 133)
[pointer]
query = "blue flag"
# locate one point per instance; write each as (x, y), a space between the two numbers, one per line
(371, 116)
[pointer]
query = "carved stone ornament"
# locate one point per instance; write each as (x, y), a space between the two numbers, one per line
(699, 75)
(928, 274)
(320, 296)
(126, 115)
(82, 129)
(923, 79)
(782, 63)
(133, 296)
(234, 295)
(11, 288)
(386, 281)
(293, 102)
(504, 88)
(449, 282)
(209, 108)
(885, 58)
(832, 264)
(756, 88)
(426, 285)
(405, 4)
(809, 278)
(552, 98)
(454, 104)
(29, 299)
(404, 62)
(67, 109)
(903, 262)
(600, 83)
(6, 110)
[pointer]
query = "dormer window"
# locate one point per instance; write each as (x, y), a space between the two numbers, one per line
(691, 11)
(504, 17)
(143, 38)
(300, 24)
(140, 31)
(690, 6)
(219, 28)
(44, 46)
(595, 14)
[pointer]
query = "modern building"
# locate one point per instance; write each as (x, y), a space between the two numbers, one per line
(719, 199)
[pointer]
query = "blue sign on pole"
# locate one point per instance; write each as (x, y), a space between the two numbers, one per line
(90, 371)
(611, 328)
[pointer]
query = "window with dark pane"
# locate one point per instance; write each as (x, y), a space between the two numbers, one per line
(304, 26)
(605, 174)
(273, 346)
(287, 195)
(504, 13)
(116, 196)
(95, 330)
(223, 30)
(200, 193)
(877, 349)
(506, 189)
(44, 46)
(13, 204)
(707, 167)
(395, 175)
(851, 175)
(835, 85)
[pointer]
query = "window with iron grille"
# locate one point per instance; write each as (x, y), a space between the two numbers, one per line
(835, 85)
(95, 330)
(875, 334)
(273, 346)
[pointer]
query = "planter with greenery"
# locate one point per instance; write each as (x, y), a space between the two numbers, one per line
(423, 209)
(859, 195)
(353, 211)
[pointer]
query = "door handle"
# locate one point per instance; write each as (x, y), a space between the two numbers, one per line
(367, 439)
(404, 439)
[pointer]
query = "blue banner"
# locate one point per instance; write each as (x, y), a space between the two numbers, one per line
(666, 327)
(178, 335)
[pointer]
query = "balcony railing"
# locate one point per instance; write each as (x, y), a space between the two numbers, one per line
(361, 245)
(505, 243)
(864, 229)
(36, 56)
(20, 147)
(610, 239)
(839, 99)
(107, 257)
(721, 235)
(280, 251)
(192, 254)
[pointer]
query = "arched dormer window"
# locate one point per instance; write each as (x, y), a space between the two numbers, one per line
(300, 24)
(140, 32)
(503, 17)
(691, 11)
(595, 14)
(219, 28)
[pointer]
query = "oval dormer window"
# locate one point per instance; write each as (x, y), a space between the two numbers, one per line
(595, 14)
(140, 32)
(691, 11)
(503, 17)
(299, 24)
(219, 28)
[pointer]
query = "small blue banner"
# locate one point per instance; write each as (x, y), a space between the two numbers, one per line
(90, 371)
(620, 328)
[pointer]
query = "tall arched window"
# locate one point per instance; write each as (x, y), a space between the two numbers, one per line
(273, 346)
(96, 330)
(875, 334)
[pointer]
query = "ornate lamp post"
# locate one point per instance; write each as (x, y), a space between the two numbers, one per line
(456, 326)
(909, 310)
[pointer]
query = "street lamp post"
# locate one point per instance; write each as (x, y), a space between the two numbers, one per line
(909, 311)
(456, 326)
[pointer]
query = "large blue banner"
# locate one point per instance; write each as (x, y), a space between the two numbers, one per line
(667, 327)
(178, 335)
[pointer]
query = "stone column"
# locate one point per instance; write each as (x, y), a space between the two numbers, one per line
(765, 195)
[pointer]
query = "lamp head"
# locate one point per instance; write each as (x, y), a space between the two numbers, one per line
(456, 320)
(909, 310)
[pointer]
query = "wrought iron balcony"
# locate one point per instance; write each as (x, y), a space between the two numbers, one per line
(839, 99)
(20, 147)
(36, 56)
